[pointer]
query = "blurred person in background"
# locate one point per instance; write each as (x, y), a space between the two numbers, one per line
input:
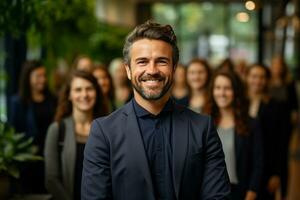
(32, 110)
(59, 74)
(123, 91)
(105, 82)
(180, 88)
(226, 64)
(198, 77)
(80, 102)
(240, 135)
(282, 89)
(240, 68)
(84, 63)
(268, 111)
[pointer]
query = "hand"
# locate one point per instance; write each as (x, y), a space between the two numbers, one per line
(251, 195)
(273, 184)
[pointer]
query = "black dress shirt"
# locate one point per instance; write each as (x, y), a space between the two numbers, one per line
(156, 131)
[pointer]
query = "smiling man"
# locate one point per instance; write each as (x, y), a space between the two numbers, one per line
(153, 149)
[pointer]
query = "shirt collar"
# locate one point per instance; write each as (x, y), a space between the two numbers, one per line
(142, 112)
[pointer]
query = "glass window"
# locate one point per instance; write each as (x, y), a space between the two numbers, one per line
(211, 30)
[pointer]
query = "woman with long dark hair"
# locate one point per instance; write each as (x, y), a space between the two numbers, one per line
(105, 82)
(282, 89)
(80, 102)
(31, 112)
(268, 111)
(240, 135)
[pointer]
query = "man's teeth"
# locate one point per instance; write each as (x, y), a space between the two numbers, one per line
(151, 80)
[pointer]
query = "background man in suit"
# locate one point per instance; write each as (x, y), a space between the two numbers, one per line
(152, 148)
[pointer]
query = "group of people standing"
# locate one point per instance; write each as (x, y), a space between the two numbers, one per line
(255, 111)
(60, 124)
(254, 114)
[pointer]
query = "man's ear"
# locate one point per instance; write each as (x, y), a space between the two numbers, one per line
(127, 67)
(174, 68)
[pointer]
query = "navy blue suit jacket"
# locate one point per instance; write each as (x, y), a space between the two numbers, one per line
(116, 167)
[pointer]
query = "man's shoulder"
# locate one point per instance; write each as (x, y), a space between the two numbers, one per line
(113, 118)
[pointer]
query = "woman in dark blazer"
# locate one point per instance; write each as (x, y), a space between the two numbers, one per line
(268, 111)
(240, 135)
(282, 88)
(80, 102)
(31, 112)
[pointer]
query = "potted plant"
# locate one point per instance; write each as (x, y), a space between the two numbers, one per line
(14, 150)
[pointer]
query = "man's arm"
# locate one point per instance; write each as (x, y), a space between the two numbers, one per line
(215, 183)
(96, 175)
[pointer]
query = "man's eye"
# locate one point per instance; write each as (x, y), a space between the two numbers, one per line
(164, 62)
(142, 62)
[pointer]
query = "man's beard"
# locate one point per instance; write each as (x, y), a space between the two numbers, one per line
(148, 95)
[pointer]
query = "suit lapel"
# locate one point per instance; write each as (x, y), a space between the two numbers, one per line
(136, 156)
(180, 143)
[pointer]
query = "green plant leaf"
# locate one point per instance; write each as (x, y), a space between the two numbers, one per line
(3, 167)
(18, 136)
(25, 144)
(8, 150)
(13, 171)
(15, 149)
(27, 157)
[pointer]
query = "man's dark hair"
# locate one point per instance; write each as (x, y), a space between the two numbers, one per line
(155, 31)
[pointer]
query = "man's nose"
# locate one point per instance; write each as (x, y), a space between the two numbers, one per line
(152, 68)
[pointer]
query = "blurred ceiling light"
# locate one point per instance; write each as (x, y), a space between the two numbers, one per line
(250, 5)
(242, 17)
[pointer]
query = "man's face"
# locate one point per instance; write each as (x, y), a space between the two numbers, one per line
(151, 68)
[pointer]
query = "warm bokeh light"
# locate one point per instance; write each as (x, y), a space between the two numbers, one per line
(242, 17)
(250, 5)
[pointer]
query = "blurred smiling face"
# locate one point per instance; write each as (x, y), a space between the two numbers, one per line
(180, 76)
(151, 68)
(82, 95)
(38, 79)
(256, 80)
(103, 80)
(223, 92)
(196, 76)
